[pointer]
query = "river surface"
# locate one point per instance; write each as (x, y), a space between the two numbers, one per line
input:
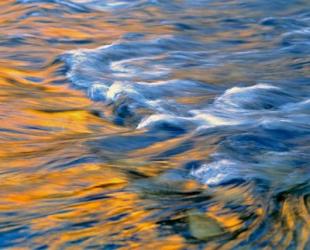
(152, 124)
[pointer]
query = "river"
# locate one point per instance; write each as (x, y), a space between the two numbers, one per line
(153, 124)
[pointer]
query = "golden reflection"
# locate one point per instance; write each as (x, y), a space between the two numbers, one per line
(45, 128)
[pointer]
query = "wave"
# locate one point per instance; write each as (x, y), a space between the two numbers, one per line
(134, 80)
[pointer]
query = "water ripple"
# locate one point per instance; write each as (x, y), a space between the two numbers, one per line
(154, 124)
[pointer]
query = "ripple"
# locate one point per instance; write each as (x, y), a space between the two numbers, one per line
(154, 124)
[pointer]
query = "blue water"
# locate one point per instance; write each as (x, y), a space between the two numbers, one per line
(263, 117)
(211, 92)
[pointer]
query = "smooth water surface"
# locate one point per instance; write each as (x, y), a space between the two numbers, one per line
(154, 124)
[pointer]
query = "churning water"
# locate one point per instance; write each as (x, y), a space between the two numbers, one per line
(142, 124)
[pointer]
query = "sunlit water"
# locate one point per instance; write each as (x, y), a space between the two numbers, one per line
(154, 124)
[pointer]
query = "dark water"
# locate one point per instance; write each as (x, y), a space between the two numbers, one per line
(154, 124)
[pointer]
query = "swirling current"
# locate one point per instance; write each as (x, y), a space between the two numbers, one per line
(142, 124)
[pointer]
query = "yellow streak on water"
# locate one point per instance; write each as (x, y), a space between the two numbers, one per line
(55, 197)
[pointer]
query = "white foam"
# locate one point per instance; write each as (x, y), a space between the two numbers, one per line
(237, 105)
(97, 89)
(304, 31)
(212, 120)
(216, 172)
(146, 122)
(115, 89)
(236, 90)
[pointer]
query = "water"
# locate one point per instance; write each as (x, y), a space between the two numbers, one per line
(154, 124)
